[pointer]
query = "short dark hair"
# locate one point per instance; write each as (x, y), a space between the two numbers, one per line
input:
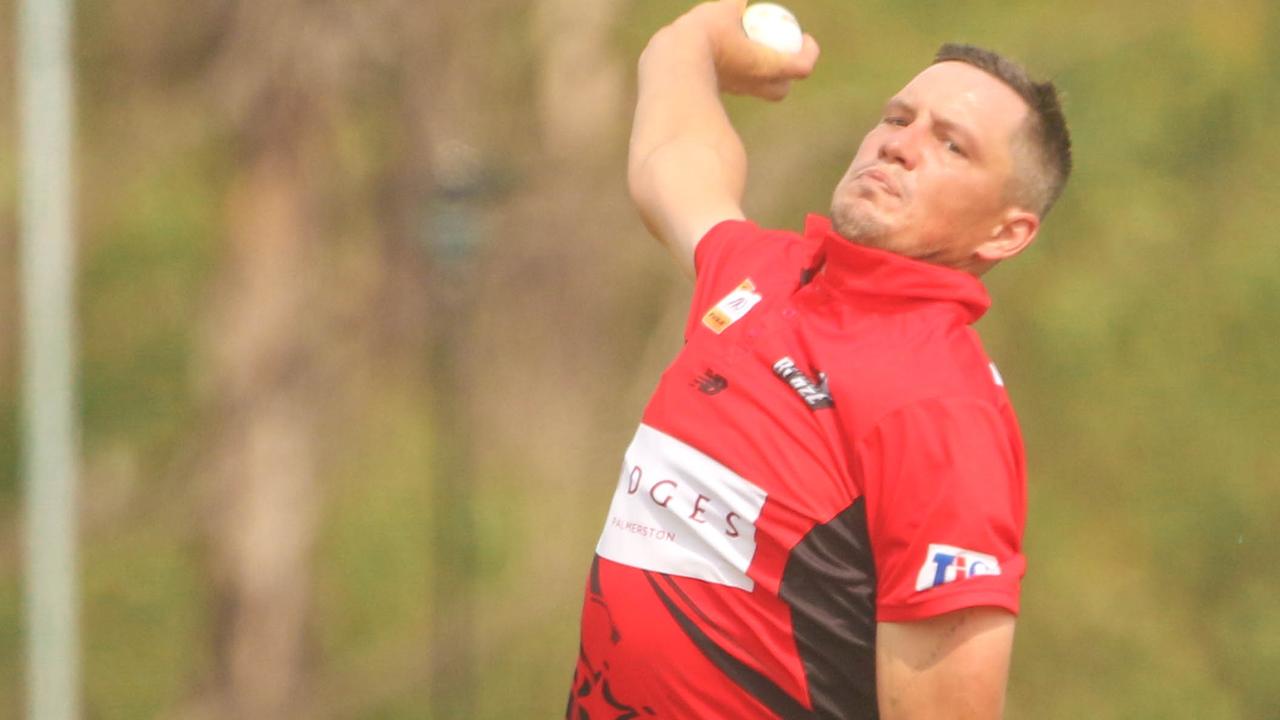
(1042, 165)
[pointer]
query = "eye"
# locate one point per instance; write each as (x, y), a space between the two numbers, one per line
(895, 120)
(953, 147)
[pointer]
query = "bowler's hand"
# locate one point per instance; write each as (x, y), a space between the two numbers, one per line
(744, 67)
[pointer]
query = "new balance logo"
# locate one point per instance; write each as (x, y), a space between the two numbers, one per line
(814, 394)
(710, 383)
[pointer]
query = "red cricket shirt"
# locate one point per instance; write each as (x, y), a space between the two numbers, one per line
(831, 448)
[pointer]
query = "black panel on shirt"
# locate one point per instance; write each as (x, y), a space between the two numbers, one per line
(747, 678)
(829, 582)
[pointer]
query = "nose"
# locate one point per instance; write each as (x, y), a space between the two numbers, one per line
(902, 147)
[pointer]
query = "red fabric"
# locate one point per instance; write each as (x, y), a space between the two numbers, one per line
(943, 470)
(921, 444)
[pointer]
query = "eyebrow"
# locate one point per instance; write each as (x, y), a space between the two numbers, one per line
(947, 125)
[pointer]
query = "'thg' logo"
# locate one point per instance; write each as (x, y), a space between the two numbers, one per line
(815, 395)
(944, 564)
(710, 382)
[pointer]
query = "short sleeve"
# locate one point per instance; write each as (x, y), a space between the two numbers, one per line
(714, 254)
(945, 488)
(738, 255)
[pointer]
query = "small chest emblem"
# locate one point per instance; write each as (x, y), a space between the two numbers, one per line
(711, 382)
(732, 307)
(815, 394)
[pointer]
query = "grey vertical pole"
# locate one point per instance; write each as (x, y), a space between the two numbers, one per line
(50, 437)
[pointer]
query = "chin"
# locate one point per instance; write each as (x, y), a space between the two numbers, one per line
(857, 225)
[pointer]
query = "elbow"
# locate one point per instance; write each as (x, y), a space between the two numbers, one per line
(644, 184)
(638, 182)
(640, 187)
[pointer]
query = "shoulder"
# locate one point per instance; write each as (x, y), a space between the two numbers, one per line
(739, 256)
(903, 365)
(743, 243)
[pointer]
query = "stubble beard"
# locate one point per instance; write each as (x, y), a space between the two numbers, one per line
(858, 224)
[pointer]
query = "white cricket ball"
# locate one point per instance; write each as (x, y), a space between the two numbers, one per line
(773, 26)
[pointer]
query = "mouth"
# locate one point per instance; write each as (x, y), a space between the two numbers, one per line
(881, 178)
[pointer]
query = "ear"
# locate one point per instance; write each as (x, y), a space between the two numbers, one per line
(1014, 233)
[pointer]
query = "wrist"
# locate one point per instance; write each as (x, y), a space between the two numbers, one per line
(712, 32)
(696, 28)
(686, 44)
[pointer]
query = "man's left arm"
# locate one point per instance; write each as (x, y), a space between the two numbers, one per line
(952, 666)
(945, 488)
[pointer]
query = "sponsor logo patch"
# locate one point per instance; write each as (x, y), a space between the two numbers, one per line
(679, 511)
(815, 394)
(732, 307)
(946, 563)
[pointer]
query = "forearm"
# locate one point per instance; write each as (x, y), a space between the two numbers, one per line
(687, 168)
(680, 123)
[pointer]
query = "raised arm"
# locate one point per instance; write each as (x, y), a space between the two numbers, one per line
(951, 667)
(687, 167)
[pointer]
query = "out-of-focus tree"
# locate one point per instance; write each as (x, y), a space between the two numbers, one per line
(282, 63)
(287, 74)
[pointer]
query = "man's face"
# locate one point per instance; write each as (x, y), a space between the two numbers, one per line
(929, 181)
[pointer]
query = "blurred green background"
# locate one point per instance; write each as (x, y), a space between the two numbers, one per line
(366, 321)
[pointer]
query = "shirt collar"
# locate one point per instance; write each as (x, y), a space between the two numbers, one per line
(879, 275)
